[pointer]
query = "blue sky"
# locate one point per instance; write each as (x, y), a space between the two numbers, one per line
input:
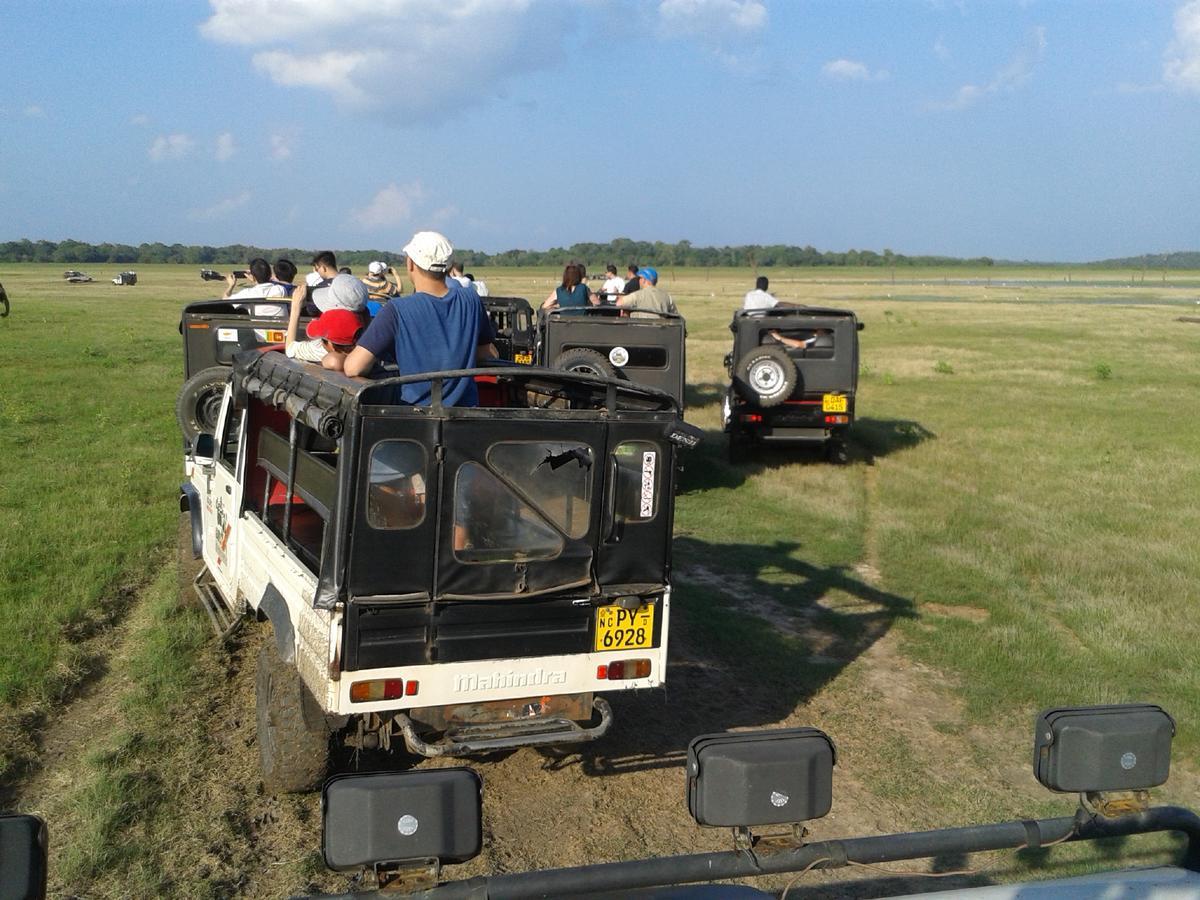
(1027, 129)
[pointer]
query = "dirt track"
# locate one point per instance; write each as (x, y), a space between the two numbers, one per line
(620, 798)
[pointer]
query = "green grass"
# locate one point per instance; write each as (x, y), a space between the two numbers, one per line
(1018, 506)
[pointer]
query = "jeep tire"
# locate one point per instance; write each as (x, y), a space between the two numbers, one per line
(769, 373)
(199, 402)
(293, 741)
(586, 362)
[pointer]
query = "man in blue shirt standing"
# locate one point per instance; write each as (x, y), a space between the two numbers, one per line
(441, 326)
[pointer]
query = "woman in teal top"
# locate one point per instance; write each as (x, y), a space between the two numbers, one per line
(572, 293)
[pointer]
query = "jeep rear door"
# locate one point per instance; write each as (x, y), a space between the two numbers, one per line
(521, 506)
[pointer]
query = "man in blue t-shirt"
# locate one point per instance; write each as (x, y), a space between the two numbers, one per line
(441, 326)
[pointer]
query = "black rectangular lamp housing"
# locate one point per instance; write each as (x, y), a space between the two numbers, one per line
(768, 777)
(1087, 749)
(389, 817)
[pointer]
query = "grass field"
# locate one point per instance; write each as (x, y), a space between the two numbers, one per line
(1018, 511)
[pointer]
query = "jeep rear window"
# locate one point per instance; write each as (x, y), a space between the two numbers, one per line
(492, 524)
(396, 485)
(555, 475)
(635, 481)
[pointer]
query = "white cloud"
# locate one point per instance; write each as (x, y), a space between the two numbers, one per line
(391, 206)
(412, 57)
(851, 70)
(139, 119)
(331, 71)
(222, 208)
(1009, 78)
(33, 111)
(728, 29)
(1181, 69)
(281, 146)
(712, 17)
(225, 147)
(170, 146)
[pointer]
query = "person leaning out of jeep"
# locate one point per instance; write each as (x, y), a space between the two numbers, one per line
(441, 326)
(333, 333)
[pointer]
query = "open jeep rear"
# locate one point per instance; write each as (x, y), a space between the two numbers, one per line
(468, 579)
(793, 374)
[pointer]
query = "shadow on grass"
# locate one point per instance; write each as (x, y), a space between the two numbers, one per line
(709, 467)
(747, 650)
(707, 393)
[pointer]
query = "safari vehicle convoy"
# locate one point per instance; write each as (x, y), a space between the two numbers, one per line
(793, 378)
(648, 348)
(458, 579)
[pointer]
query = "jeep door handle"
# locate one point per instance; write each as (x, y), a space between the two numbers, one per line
(229, 488)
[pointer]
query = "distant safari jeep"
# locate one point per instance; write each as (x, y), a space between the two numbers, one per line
(459, 579)
(794, 375)
(512, 319)
(648, 349)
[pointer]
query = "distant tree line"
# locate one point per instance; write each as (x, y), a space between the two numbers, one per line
(620, 251)
(1189, 259)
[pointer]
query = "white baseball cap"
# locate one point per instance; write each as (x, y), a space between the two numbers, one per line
(376, 268)
(430, 251)
(344, 292)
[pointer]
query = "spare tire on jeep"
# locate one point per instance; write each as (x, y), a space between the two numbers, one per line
(199, 402)
(586, 362)
(768, 373)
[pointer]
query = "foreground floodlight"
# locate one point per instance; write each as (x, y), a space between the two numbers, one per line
(751, 778)
(23, 846)
(396, 822)
(1095, 749)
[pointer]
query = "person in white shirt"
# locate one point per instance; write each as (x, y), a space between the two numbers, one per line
(456, 273)
(759, 298)
(480, 286)
(263, 287)
(614, 285)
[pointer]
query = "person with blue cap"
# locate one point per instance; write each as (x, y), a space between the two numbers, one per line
(648, 297)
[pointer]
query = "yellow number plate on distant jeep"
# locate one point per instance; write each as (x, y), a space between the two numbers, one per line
(624, 629)
(833, 403)
(523, 358)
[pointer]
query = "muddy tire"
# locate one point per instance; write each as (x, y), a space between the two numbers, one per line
(769, 374)
(586, 362)
(199, 402)
(293, 741)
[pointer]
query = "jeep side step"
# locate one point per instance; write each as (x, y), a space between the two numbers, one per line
(469, 739)
(224, 621)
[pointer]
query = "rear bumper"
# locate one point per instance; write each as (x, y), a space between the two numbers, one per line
(472, 739)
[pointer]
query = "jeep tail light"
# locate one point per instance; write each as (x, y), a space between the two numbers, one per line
(836, 420)
(410, 688)
(624, 669)
(751, 417)
(378, 689)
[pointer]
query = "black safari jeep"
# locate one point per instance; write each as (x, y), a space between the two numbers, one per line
(214, 331)
(512, 317)
(463, 579)
(647, 349)
(794, 374)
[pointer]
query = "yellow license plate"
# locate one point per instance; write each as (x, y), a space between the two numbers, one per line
(525, 358)
(624, 629)
(833, 403)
